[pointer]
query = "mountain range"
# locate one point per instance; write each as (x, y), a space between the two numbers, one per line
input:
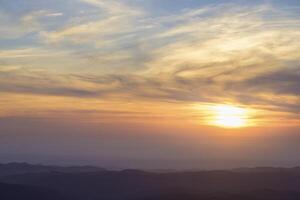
(40, 182)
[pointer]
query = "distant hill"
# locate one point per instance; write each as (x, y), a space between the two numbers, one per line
(266, 169)
(23, 168)
(239, 184)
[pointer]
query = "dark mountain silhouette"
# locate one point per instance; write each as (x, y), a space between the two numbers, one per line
(18, 192)
(238, 184)
(266, 169)
(23, 168)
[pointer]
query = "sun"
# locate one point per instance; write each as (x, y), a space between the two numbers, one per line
(228, 116)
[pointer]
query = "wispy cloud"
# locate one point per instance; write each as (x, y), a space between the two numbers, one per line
(114, 19)
(12, 27)
(223, 53)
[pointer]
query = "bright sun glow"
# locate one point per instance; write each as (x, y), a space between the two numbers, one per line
(230, 116)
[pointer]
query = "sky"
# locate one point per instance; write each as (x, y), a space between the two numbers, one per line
(150, 83)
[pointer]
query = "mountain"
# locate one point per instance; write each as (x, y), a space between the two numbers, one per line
(23, 168)
(266, 169)
(246, 184)
(18, 192)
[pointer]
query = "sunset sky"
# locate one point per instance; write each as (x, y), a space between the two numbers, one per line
(150, 83)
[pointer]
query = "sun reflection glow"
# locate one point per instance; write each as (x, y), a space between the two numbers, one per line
(230, 116)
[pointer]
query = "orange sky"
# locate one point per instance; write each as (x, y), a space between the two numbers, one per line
(228, 68)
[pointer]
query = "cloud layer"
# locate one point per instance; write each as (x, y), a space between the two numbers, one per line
(115, 51)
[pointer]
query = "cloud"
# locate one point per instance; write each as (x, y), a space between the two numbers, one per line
(229, 35)
(57, 14)
(113, 7)
(213, 54)
(16, 27)
(113, 20)
(25, 52)
(281, 82)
